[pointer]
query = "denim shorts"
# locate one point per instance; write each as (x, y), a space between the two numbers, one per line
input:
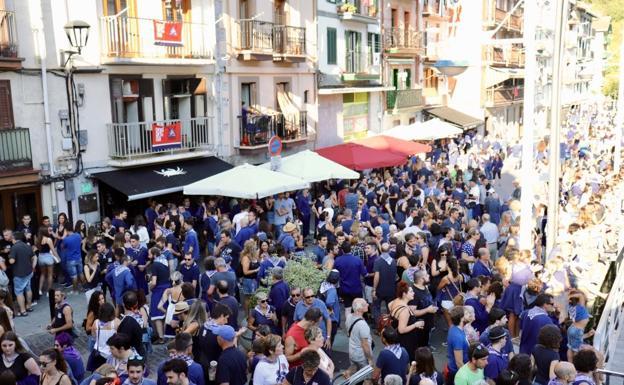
(73, 268)
(45, 259)
(250, 286)
(575, 338)
(21, 285)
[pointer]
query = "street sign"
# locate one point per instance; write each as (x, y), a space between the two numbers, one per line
(276, 163)
(275, 145)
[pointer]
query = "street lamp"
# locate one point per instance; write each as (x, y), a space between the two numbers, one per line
(77, 32)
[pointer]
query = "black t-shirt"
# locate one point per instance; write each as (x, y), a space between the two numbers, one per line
(295, 377)
(543, 358)
(130, 327)
(232, 304)
(161, 272)
(232, 367)
(288, 311)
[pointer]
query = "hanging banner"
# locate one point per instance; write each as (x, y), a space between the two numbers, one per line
(168, 33)
(166, 136)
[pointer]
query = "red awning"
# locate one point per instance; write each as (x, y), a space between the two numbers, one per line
(399, 146)
(358, 157)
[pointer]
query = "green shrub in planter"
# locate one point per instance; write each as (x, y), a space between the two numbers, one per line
(303, 274)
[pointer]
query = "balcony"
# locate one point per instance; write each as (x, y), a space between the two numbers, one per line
(401, 99)
(262, 40)
(434, 10)
(134, 141)
(402, 40)
(359, 66)
(362, 11)
(504, 57)
(256, 131)
(128, 40)
(8, 42)
(498, 97)
(15, 152)
(494, 16)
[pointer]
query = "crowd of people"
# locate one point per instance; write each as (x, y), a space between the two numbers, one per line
(404, 251)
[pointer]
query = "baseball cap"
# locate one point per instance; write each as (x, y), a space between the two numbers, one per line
(224, 331)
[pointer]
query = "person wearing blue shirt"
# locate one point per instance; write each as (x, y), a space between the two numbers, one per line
(151, 215)
(136, 368)
(482, 265)
(352, 270)
(72, 252)
(211, 228)
(286, 239)
(532, 320)
(122, 279)
(279, 292)
(457, 343)
(393, 359)
(228, 249)
(189, 270)
(497, 317)
(140, 262)
(191, 243)
(347, 222)
(119, 221)
(268, 264)
(310, 301)
(245, 233)
(183, 348)
(473, 290)
(320, 249)
(303, 203)
(329, 291)
(497, 359)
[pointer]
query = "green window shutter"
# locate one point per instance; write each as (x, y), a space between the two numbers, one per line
(331, 46)
(408, 79)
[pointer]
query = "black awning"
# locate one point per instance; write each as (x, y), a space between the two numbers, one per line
(455, 117)
(162, 178)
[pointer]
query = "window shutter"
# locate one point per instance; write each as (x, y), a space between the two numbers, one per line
(6, 105)
(331, 46)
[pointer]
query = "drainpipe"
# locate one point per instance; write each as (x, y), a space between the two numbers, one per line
(39, 33)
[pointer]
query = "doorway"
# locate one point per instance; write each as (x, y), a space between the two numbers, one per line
(16, 203)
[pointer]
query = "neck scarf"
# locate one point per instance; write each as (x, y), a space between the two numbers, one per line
(265, 313)
(325, 286)
(162, 260)
(395, 349)
(386, 257)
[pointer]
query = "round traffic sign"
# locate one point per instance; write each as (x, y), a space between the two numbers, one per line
(275, 145)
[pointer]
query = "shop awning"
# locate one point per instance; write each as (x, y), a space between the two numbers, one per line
(392, 144)
(358, 157)
(456, 117)
(163, 178)
(349, 90)
(493, 76)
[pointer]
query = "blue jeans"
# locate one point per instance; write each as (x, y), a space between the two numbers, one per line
(73, 268)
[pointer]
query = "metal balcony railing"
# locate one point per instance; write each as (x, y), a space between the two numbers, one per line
(8, 35)
(404, 98)
(357, 62)
(507, 56)
(257, 129)
(289, 40)
(504, 95)
(133, 37)
(255, 35)
(134, 140)
(15, 150)
(494, 15)
(403, 38)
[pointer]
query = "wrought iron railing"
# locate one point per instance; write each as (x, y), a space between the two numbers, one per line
(289, 40)
(504, 95)
(257, 129)
(15, 150)
(8, 34)
(403, 38)
(135, 140)
(507, 56)
(404, 98)
(133, 37)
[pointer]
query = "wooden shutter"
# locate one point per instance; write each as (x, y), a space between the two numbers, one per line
(6, 106)
(331, 46)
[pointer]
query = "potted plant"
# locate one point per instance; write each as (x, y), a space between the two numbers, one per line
(372, 11)
(347, 9)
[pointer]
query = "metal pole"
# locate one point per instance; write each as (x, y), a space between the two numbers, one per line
(528, 129)
(555, 123)
(619, 117)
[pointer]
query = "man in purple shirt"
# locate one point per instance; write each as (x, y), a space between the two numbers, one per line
(532, 321)
(351, 270)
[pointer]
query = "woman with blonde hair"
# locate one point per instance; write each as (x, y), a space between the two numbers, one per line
(273, 367)
(169, 298)
(250, 264)
(314, 336)
(520, 274)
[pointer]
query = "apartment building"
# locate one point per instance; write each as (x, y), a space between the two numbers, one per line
(267, 52)
(403, 50)
(503, 67)
(87, 128)
(602, 35)
(349, 78)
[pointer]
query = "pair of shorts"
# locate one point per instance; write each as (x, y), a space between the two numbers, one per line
(575, 338)
(45, 259)
(250, 286)
(73, 268)
(21, 285)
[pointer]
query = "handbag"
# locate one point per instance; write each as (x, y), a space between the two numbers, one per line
(170, 311)
(4, 280)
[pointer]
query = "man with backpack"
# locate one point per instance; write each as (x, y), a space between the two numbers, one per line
(360, 339)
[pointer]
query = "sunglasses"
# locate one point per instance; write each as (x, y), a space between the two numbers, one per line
(187, 259)
(262, 301)
(295, 295)
(309, 296)
(44, 364)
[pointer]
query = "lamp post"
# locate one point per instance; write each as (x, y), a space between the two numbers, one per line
(77, 32)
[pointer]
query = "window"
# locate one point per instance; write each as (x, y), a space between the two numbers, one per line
(305, 96)
(374, 48)
(248, 94)
(332, 51)
(176, 10)
(6, 105)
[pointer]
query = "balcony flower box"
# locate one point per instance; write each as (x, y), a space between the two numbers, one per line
(347, 10)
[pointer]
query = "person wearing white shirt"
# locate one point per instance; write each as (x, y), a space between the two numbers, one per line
(239, 217)
(273, 368)
(490, 233)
